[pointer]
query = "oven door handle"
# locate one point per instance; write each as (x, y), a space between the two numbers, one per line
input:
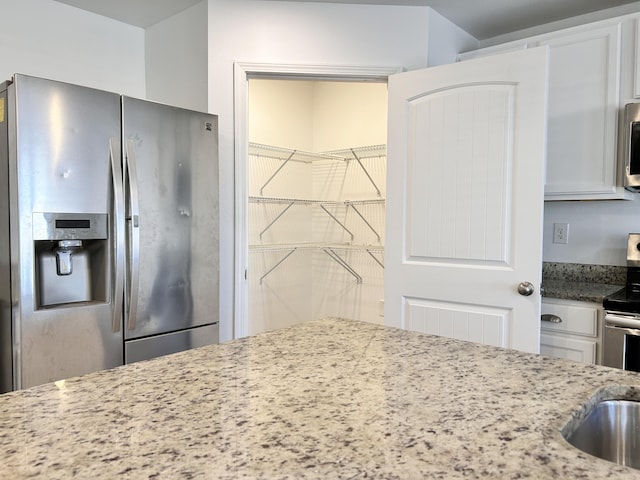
(620, 320)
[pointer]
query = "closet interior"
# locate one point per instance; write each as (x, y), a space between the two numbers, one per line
(316, 206)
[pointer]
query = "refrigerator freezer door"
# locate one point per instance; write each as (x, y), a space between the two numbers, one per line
(64, 147)
(172, 218)
(167, 343)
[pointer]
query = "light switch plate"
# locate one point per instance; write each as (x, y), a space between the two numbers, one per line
(561, 233)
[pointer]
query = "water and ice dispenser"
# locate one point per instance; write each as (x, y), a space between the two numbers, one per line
(71, 258)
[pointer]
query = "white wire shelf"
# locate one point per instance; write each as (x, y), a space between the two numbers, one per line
(335, 251)
(274, 247)
(331, 250)
(290, 203)
(305, 201)
(370, 151)
(260, 150)
(286, 155)
(345, 154)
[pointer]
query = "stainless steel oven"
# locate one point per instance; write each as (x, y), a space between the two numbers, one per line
(621, 339)
(621, 336)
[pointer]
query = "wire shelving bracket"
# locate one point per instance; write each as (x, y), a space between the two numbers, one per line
(340, 261)
(280, 262)
(277, 218)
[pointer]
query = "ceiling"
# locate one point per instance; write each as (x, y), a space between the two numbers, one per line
(482, 19)
(141, 13)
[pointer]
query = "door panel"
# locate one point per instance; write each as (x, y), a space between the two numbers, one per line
(465, 198)
(466, 158)
(475, 323)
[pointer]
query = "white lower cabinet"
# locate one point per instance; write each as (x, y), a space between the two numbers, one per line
(569, 329)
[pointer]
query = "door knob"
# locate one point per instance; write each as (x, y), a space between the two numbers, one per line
(525, 288)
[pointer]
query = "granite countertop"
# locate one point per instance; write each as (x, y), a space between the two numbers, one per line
(325, 399)
(581, 282)
(580, 291)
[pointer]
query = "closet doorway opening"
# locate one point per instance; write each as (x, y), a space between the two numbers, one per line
(315, 200)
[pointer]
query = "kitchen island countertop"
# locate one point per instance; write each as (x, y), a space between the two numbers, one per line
(326, 399)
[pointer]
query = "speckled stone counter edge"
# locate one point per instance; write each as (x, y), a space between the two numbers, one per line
(578, 272)
(581, 282)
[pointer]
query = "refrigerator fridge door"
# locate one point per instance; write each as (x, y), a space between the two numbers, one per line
(171, 180)
(66, 229)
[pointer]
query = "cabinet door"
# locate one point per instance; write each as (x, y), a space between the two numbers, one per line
(584, 98)
(578, 350)
(636, 49)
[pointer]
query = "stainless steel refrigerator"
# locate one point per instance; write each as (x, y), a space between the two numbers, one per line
(109, 230)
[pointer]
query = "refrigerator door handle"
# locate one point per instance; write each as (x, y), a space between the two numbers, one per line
(118, 222)
(134, 281)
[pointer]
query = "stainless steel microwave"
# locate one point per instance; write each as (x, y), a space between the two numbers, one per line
(632, 146)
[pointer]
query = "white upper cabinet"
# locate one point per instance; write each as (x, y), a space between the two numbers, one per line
(584, 106)
(584, 98)
(493, 50)
(636, 50)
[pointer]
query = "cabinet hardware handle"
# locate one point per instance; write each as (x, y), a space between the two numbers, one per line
(548, 317)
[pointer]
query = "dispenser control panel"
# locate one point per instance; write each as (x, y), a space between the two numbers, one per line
(66, 226)
(73, 223)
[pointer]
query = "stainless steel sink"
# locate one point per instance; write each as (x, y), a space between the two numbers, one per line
(611, 431)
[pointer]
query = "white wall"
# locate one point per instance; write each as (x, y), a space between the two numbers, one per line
(349, 115)
(597, 231)
(280, 113)
(176, 59)
(446, 40)
(53, 40)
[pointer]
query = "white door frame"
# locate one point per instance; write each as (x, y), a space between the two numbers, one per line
(242, 73)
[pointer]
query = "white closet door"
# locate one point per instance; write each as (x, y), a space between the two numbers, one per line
(465, 182)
